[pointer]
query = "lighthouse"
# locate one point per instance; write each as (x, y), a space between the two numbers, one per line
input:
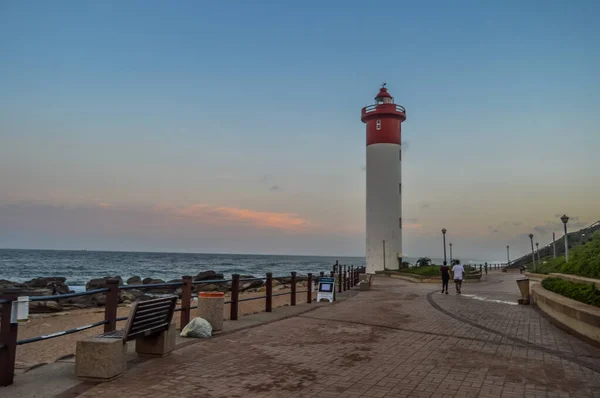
(384, 182)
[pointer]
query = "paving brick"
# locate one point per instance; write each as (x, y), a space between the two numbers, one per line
(397, 340)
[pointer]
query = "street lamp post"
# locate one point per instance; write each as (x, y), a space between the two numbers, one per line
(444, 235)
(537, 249)
(507, 255)
(553, 244)
(532, 251)
(450, 253)
(565, 220)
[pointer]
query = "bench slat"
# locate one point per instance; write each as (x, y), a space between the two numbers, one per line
(164, 308)
(161, 327)
(148, 323)
(149, 317)
(144, 305)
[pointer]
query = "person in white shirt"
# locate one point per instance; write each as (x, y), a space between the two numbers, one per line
(458, 271)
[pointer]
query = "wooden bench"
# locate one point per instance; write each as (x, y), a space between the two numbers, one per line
(104, 357)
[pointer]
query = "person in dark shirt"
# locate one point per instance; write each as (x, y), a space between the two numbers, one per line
(445, 277)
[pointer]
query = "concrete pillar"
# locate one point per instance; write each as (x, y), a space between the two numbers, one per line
(210, 307)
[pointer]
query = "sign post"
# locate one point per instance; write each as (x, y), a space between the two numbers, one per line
(326, 289)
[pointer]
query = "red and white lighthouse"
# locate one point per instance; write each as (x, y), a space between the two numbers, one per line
(384, 182)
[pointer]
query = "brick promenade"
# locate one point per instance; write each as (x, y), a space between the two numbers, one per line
(398, 340)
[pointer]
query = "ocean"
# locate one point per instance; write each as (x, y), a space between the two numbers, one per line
(80, 266)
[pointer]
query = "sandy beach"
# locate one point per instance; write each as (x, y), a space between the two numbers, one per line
(48, 351)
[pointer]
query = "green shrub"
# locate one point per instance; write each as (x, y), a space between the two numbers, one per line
(584, 260)
(583, 292)
(427, 270)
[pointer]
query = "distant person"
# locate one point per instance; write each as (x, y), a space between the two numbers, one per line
(445, 270)
(458, 270)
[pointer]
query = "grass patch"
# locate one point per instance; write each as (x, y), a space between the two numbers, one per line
(427, 270)
(434, 270)
(584, 260)
(582, 292)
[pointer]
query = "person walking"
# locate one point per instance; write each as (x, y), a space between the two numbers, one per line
(458, 271)
(445, 270)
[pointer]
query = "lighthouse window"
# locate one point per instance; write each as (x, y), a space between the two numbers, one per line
(400, 155)
(378, 124)
(400, 188)
(400, 222)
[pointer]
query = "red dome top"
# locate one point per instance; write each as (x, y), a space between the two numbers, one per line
(383, 93)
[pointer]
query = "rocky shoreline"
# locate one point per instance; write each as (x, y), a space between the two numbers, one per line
(51, 286)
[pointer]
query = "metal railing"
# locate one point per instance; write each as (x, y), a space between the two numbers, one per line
(373, 108)
(9, 331)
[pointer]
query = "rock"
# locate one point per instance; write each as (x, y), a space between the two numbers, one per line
(250, 285)
(129, 296)
(211, 287)
(276, 282)
(148, 281)
(56, 285)
(44, 307)
(43, 282)
(100, 283)
(134, 280)
(208, 275)
(283, 280)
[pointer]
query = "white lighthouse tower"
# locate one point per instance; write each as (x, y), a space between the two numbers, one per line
(384, 182)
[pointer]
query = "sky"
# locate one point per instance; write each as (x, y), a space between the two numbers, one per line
(235, 127)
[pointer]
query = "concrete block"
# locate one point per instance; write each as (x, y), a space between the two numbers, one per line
(100, 358)
(158, 344)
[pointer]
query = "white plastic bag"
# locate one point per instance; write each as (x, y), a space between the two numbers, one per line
(198, 327)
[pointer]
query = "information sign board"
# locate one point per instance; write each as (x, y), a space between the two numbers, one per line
(326, 289)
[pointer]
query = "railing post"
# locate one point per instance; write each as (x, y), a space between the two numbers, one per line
(309, 283)
(332, 274)
(344, 280)
(339, 282)
(8, 338)
(235, 296)
(110, 306)
(348, 280)
(293, 295)
(321, 274)
(352, 276)
(186, 298)
(269, 298)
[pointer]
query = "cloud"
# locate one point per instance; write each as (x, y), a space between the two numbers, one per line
(424, 205)
(363, 167)
(268, 178)
(197, 228)
(220, 215)
(411, 220)
(103, 204)
(554, 226)
(404, 146)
